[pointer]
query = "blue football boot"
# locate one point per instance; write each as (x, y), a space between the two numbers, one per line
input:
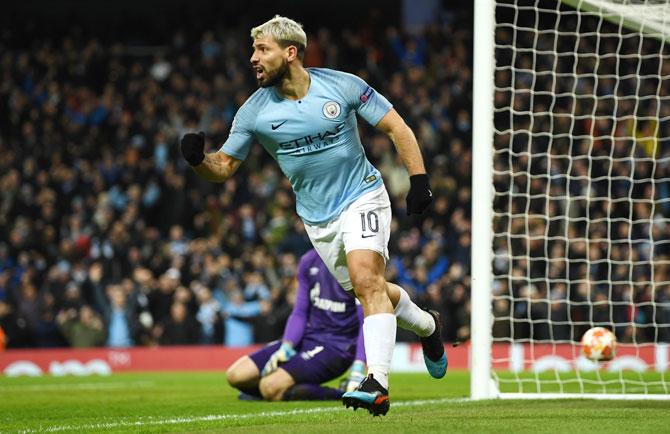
(369, 395)
(433, 349)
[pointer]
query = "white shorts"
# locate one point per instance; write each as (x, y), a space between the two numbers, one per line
(363, 225)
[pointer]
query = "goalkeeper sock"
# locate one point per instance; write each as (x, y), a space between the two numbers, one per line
(379, 335)
(412, 317)
(311, 392)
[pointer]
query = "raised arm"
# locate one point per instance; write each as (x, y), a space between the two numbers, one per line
(215, 166)
(419, 196)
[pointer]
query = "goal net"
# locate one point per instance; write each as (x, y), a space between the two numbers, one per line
(571, 182)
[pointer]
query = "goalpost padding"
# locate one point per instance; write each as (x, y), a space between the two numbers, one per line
(571, 191)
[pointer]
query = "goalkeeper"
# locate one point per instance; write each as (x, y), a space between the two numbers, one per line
(321, 340)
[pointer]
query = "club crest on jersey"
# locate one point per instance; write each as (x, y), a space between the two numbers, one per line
(331, 109)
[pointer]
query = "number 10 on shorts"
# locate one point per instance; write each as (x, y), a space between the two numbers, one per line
(369, 222)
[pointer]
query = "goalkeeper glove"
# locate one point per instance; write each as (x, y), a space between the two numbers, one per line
(283, 354)
(419, 196)
(193, 148)
(356, 375)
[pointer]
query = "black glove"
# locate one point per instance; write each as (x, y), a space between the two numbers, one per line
(193, 148)
(419, 196)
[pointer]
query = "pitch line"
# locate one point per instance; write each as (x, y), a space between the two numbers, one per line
(152, 421)
(65, 386)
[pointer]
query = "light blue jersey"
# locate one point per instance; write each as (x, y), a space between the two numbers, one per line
(315, 140)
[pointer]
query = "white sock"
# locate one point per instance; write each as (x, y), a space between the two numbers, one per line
(379, 336)
(412, 317)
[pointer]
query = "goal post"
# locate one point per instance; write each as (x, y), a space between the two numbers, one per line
(571, 197)
(481, 386)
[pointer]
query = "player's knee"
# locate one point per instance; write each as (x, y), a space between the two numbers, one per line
(234, 377)
(242, 373)
(271, 389)
(368, 284)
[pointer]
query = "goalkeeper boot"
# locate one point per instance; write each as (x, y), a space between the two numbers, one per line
(244, 396)
(369, 395)
(433, 349)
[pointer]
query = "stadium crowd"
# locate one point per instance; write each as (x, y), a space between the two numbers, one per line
(582, 226)
(107, 238)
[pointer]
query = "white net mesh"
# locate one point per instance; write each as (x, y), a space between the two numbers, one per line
(582, 197)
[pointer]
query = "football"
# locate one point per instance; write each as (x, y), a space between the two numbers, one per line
(599, 344)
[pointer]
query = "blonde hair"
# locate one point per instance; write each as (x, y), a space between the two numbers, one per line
(284, 31)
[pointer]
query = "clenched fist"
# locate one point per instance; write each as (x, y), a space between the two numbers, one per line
(193, 148)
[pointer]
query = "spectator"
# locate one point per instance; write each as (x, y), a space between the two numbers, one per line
(180, 328)
(209, 316)
(83, 329)
(119, 314)
(14, 328)
(239, 314)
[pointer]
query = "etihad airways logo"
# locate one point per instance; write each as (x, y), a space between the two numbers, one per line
(315, 141)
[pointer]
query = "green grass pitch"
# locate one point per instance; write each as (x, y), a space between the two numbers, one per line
(202, 402)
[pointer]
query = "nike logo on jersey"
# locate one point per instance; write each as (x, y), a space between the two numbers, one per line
(367, 236)
(274, 127)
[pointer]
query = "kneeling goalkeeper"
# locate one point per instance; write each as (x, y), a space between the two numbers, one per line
(321, 340)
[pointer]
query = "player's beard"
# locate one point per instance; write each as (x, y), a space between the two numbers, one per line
(274, 77)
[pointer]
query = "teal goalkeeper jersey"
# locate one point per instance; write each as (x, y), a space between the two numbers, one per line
(315, 140)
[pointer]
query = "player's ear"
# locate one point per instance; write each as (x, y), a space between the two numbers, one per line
(292, 51)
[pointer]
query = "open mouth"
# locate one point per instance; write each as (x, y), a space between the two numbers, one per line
(259, 72)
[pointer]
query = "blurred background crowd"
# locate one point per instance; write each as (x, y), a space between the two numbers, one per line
(582, 179)
(107, 237)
